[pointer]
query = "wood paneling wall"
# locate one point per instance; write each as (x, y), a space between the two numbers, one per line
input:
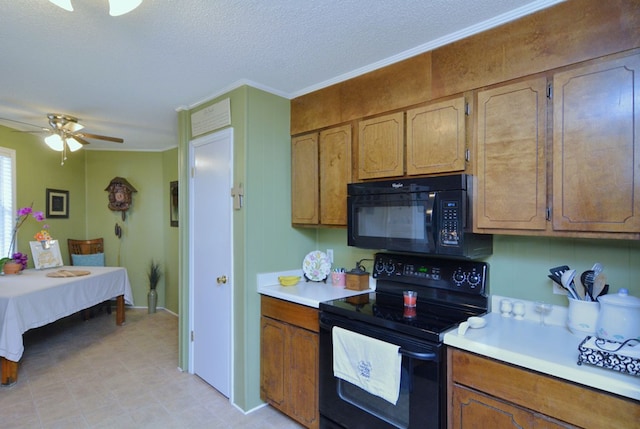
(567, 33)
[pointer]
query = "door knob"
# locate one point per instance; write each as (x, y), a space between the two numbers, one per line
(222, 280)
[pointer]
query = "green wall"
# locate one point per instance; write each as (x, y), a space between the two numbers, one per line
(85, 175)
(519, 266)
(38, 168)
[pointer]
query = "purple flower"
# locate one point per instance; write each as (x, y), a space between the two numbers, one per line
(25, 211)
(23, 215)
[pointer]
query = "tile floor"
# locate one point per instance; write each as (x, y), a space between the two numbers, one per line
(93, 374)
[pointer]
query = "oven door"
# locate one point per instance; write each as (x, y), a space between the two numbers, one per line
(398, 221)
(422, 386)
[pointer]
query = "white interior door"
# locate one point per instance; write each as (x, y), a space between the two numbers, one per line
(211, 259)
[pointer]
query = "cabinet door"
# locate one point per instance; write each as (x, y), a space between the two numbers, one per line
(381, 147)
(335, 173)
(303, 377)
(596, 150)
(436, 140)
(304, 179)
(510, 156)
(472, 409)
(273, 338)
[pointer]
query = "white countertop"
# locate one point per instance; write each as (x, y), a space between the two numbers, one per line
(306, 293)
(550, 349)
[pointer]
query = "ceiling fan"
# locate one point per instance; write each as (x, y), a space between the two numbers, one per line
(65, 133)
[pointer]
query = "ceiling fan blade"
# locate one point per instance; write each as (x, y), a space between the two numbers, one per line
(98, 137)
(25, 123)
(79, 139)
(44, 130)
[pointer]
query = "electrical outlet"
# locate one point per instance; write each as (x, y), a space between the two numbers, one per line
(330, 255)
(558, 290)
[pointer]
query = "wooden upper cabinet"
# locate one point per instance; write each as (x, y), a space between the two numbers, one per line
(510, 156)
(335, 173)
(436, 140)
(304, 179)
(381, 146)
(596, 151)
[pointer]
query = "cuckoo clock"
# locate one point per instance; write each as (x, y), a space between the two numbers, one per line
(120, 193)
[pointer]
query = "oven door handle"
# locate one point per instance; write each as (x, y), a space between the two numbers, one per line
(419, 356)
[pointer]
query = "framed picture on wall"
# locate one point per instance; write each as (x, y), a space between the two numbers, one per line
(57, 204)
(173, 203)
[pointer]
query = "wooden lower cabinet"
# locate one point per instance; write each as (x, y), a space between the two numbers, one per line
(289, 359)
(472, 409)
(485, 393)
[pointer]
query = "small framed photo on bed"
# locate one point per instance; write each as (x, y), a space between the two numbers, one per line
(57, 204)
(46, 254)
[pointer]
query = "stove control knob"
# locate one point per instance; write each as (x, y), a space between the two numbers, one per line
(474, 279)
(459, 277)
(379, 268)
(390, 268)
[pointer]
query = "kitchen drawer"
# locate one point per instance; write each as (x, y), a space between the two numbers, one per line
(289, 312)
(562, 400)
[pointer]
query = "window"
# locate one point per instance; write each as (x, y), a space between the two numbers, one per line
(7, 197)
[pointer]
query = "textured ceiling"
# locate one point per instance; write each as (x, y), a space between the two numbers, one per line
(126, 76)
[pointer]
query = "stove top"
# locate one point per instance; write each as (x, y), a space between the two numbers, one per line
(449, 292)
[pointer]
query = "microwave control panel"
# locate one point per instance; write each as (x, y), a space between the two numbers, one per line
(450, 230)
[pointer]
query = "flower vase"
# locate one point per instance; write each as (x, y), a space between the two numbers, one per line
(11, 268)
(152, 300)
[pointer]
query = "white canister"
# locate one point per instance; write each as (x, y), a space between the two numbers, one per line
(582, 317)
(619, 318)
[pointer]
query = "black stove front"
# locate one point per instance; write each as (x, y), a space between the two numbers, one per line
(448, 292)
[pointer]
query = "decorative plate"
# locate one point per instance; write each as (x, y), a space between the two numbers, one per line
(316, 266)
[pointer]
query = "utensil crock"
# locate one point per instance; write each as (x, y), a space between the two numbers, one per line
(582, 317)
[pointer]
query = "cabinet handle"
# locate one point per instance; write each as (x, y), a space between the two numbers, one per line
(548, 213)
(221, 279)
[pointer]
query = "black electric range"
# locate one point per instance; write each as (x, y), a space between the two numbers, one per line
(448, 292)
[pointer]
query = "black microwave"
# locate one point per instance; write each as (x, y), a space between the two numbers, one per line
(430, 215)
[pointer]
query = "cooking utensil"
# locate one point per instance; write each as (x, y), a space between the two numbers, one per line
(555, 279)
(597, 268)
(580, 289)
(587, 280)
(599, 284)
(567, 281)
(556, 273)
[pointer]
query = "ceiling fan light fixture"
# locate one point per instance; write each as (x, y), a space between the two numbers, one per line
(54, 142)
(65, 4)
(120, 7)
(73, 144)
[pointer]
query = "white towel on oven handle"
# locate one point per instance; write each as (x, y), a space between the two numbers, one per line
(368, 363)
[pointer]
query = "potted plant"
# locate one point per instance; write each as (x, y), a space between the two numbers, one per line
(154, 275)
(15, 262)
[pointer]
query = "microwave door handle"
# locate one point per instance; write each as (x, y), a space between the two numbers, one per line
(429, 212)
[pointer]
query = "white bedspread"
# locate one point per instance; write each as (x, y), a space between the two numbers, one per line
(31, 299)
